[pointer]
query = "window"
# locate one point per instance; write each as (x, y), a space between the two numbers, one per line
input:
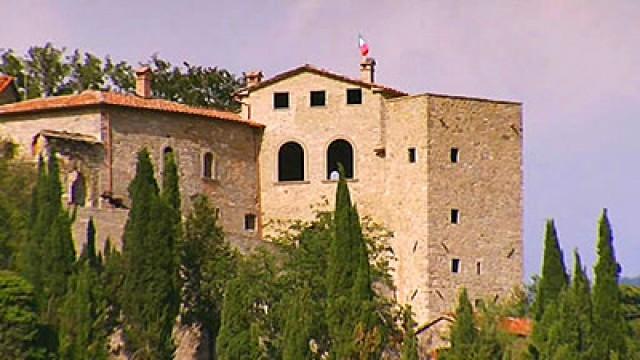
(208, 166)
(412, 155)
(455, 155)
(455, 265)
(339, 152)
(281, 100)
(478, 268)
(78, 190)
(354, 96)
(318, 98)
(249, 222)
(291, 162)
(455, 216)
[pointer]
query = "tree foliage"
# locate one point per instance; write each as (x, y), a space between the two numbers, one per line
(48, 71)
(554, 275)
(150, 291)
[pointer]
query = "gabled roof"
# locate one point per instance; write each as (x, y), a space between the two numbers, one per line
(65, 135)
(326, 73)
(93, 98)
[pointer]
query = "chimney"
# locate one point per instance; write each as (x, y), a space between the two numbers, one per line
(367, 70)
(143, 82)
(253, 78)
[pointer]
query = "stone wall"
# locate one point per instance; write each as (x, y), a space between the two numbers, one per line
(109, 224)
(315, 128)
(234, 147)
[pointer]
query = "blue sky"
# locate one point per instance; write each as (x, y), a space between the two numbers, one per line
(574, 64)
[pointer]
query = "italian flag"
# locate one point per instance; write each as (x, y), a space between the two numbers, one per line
(362, 44)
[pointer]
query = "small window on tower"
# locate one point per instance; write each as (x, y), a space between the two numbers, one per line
(455, 216)
(250, 222)
(455, 155)
(412, 155)
(455, 265)
(281, 100)
(354, 96)
(318, 98)
(478, 267)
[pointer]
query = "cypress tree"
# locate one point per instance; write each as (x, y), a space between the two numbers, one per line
(409, 341)
(298, 325)
(82, 336)
(170, 181)
(89, 253)
(554, 275)
(609, 326)
(150, 296)
(18, 318)
(464, 335)
(580, 317)
(207, 263)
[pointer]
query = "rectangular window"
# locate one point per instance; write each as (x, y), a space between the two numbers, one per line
(249, 222)
(478, 268)
(455, 265)
(281, 100)
(455, 155)
(354, 96)
(412, 155)
(455, 216)
(318, 98)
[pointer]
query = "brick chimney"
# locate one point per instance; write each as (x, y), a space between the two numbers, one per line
(143, 82)
(253, 78)
(367, 70)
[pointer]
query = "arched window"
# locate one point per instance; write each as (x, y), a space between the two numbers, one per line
(291, 162)
(165, 156)
(339, 152)
(208, 166)
(78, 190)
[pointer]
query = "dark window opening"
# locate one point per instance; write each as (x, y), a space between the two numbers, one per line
(478, 268)
(249, 222)
(354, 96)
(217, 213)
(455, 216)
(455, 265)
(339, 152)
(412, 155)
(318, 98)
(478, 303)
(166, 152)
(455, 155)
(78, 190)
(291, 162)
(281, 100)
(207, 166)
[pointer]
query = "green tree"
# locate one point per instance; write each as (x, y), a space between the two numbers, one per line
(554, 274)
(150, 294)
(82, 335)
(298, 325)
(86, 72)
(464, 335)
(609, 328)
(409, 341)
(18, 319)
(207, 264)
(248, 299)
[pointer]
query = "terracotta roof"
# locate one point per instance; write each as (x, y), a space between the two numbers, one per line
(68, 136)
(517, 326)
(327, 73)
(5, 82)
(93, 98)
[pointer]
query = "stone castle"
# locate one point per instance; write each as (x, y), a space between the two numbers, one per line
(444, 173)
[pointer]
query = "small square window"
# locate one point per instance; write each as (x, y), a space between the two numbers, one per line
(412, 155)
(455, 265)
(318, 98)
(249, 222)
(455, 155)
(455, 216)
(354, 96)
(281, 100)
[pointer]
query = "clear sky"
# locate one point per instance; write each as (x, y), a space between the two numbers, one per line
(575, 64)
